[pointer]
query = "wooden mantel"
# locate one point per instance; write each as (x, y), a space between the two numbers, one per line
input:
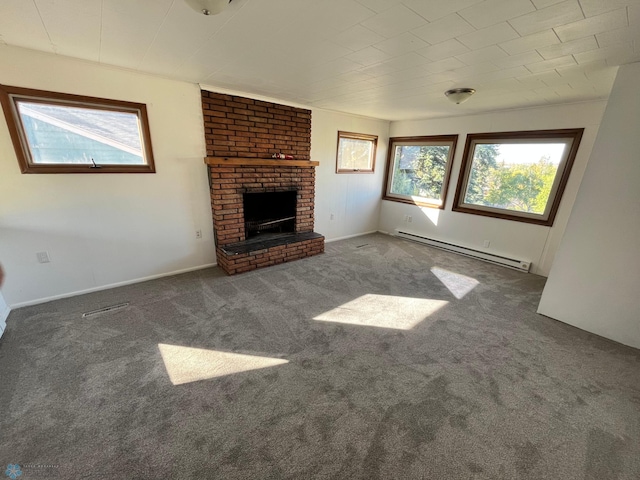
(259, 162)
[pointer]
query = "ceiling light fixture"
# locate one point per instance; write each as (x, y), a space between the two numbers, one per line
(208, 7)
(459, 95)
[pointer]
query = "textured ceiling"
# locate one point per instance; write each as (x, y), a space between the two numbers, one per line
(390, 59)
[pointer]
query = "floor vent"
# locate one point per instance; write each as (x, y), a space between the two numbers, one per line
(521, 265)
(105, 310)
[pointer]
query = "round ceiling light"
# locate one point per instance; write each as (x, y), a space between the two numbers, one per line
(459, 95)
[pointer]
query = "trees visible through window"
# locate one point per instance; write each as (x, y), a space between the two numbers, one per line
(62, 133)
(516, 175)
(356, 152)
(418, 169)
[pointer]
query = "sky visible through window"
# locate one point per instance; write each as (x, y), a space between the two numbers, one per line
(72, 135)
(529, 153)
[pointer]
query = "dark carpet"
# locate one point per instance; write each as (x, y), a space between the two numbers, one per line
(380, 359)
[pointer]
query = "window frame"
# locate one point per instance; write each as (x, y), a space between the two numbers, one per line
(570, 136)
(357, 136)
(9, 96)
(435, 140)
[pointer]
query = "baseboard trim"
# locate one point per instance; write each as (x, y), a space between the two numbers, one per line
(111, 285)
(349, 236)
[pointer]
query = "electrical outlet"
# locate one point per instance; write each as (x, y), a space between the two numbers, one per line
(198, 233)
(486, 243)
(331, 217)
(43, 257)
(410, 219)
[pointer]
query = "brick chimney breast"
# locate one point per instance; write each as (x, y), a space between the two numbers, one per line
(241, 135)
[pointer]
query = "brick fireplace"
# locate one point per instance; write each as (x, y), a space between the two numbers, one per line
(263, 208)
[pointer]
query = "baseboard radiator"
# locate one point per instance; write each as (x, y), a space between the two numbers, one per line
(521, 265)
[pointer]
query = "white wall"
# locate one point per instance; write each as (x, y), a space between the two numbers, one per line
(594, 283)
(353, 199)
(101, 230)
(523, 241)
(104, 230)
(4, 313)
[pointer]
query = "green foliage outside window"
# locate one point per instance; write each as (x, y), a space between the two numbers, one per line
(420, 170)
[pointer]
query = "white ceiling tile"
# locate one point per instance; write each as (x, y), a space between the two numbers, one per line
(623, 52)
(486, 54)
(550, 17)
(492, 35)
(443, 29)
(530, 42)
(369, 56)
(551, 64)
(572, 72)
(403, 43)
(596, 71)
(492, 77)
(73, 26)
(449, 48)
(474, 70)
(181, 35)
(398, 19)
(444, 65)
(29, 32)
(545, 3)
(622, 35)
(491, 12)
(357, 38)
(436, 10)
(378, 5)
(324, 14)
(634, 15)
(587, 69)
(593, 25)
(322, 53)
(396, 64)
(555, 80)
(575, 46)
(125, 43)
(518, 59)
(592, 8)
(437, 78)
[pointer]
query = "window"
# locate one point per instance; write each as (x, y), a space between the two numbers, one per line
(418, 169)
(516, 175)
(62, 133)
(356, 153)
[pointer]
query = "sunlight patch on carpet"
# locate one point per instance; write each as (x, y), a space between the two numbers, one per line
(383, 311)
(458, 285)
(187, 364)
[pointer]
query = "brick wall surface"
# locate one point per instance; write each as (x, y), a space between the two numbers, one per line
(243, 127)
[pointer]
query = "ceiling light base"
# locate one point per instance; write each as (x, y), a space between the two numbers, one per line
(208, 7)
(459, 95)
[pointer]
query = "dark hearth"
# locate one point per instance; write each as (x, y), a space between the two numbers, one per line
(269, 213)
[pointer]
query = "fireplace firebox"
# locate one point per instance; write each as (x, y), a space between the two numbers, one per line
(267, 213)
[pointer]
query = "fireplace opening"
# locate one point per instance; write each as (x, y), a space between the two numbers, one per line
(269, 213)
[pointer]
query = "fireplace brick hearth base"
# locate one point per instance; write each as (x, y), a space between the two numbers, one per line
(244, 262)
